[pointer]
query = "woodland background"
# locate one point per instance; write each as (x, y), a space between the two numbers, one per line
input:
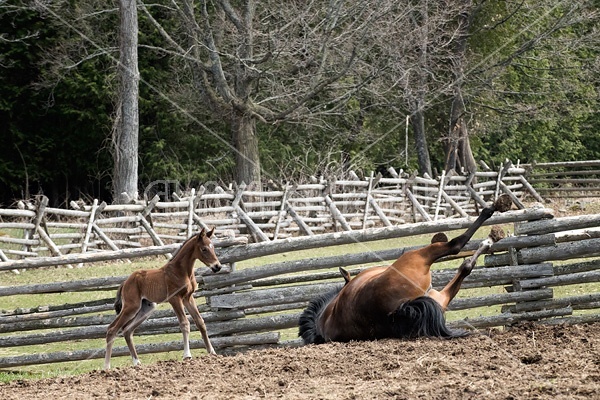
(244, 90)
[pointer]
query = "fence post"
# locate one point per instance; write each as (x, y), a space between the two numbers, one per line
(439, 195)
(281, 212)
(369, 188)
(190, 219)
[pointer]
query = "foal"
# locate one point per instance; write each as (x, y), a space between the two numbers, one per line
(174, 282)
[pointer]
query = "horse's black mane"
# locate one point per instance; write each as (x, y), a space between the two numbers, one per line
(421, 317)
(308, 320)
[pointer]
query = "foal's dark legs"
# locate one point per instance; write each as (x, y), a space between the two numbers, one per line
(130, 317)
(142, 315)
(128, 313)
(190, 305)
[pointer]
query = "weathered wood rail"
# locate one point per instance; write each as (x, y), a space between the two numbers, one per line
(252, 306)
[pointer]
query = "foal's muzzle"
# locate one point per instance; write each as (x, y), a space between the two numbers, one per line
(215, 268)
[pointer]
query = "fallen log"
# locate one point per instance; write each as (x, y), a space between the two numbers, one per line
(177, 345)
(266, 297)
(70, 322)
(103, 256)
(508, 318)
(156, 326)
(502, 298)
(253, 250)
(573, 301)
(560, 280)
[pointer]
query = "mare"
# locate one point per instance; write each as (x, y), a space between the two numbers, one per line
(174, 282)
(395, 301)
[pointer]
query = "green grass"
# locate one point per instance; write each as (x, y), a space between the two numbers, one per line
(62, 274)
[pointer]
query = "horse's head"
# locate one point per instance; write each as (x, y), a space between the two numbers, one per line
(205, 250)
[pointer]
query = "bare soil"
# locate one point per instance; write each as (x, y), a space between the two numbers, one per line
(525, 362)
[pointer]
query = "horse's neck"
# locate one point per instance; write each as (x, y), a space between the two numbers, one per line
(183, 261)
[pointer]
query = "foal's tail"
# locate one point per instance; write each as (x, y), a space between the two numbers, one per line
(307, 324)
(118, 302)
(421, 317)
(145, 304)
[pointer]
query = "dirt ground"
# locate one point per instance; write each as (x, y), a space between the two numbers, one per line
(527, 362)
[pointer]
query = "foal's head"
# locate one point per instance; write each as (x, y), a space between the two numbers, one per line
(204, 250)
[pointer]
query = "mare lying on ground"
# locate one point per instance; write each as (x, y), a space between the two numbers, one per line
(395, 301)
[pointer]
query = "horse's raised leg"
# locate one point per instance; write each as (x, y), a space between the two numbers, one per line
(177, 304)
(438, 250)
(145, 310)
(445, 296)
(190, 305)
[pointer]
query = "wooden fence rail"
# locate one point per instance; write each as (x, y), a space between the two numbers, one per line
(253, 306)
(560, 180)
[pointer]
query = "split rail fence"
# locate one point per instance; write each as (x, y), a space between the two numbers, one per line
(251, 307)
(281, 211)
(570, 180)
(37, 230)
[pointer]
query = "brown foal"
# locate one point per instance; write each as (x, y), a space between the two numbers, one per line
(174, 282)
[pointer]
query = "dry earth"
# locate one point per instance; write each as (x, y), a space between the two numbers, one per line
(526, 362)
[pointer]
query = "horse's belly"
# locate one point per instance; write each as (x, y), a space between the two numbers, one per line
(341, 326)
(365, 314)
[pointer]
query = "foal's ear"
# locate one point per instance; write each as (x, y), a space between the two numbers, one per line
(202, 233)
(210, 233)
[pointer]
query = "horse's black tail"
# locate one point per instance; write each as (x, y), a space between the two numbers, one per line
(118, 301)
(421, 317)
(307, 324)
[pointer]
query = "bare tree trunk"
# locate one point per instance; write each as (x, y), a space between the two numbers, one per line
(418, 111)
(125, 141)
(458, 148)
(418, 125)
(250, 64)
(245, 141)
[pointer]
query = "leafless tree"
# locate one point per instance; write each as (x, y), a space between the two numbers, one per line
(428, 60)
(553, 45)
(263, 62)
(126, 125)
(459, 155)
(417, 42)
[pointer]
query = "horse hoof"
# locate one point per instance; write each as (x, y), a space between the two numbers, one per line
(496, 233)
(439, 237)
(503, 203)
(189, 358)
